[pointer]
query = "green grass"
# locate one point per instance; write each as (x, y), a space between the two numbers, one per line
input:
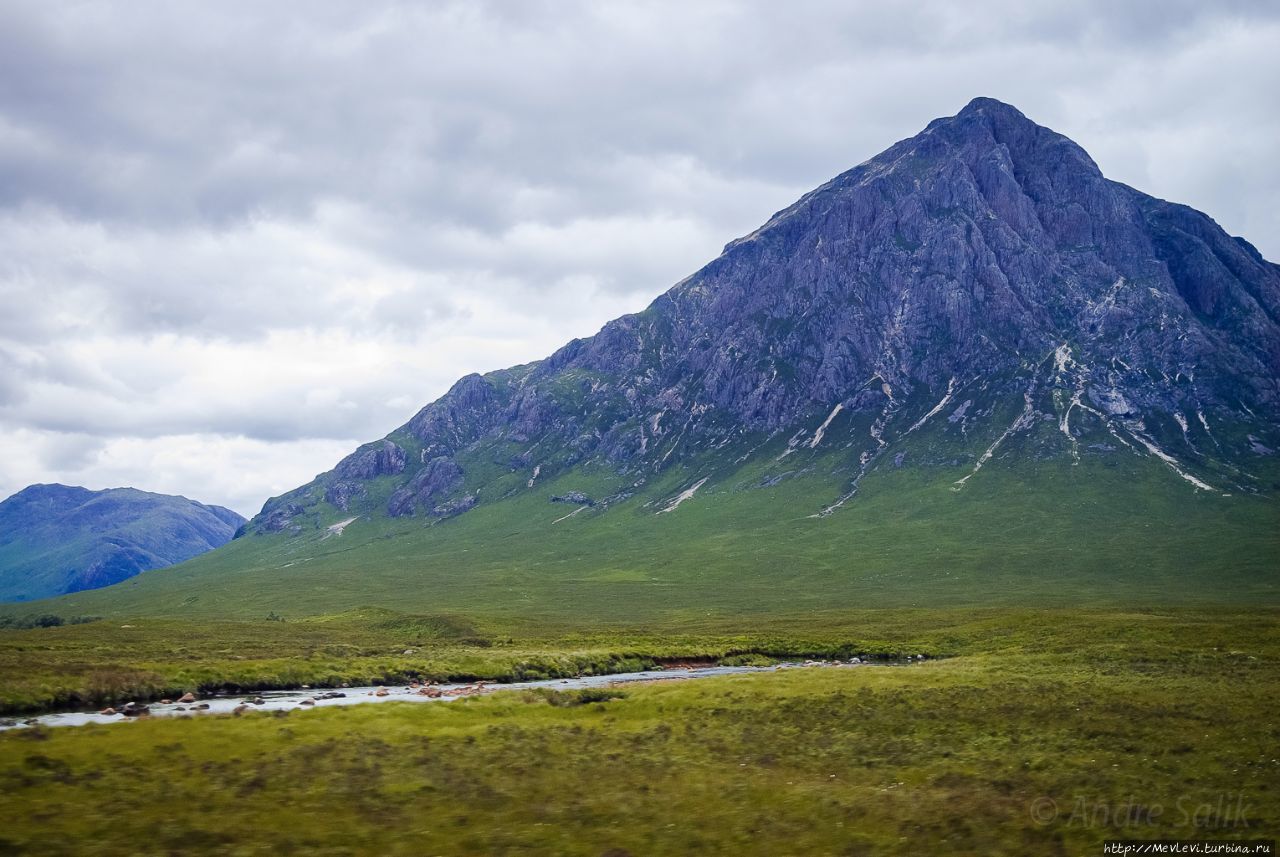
(1044, 533)
(102, 663)
(1171, 711)
(99, 664)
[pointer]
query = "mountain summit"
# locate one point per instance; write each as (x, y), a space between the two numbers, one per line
(982, 261)
(969, 370)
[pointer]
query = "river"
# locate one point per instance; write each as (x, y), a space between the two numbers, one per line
(304, 698)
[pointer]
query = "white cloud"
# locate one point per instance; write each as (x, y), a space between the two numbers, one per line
(235, 472)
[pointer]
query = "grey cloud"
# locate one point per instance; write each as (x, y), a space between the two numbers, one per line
(12, 390)
(69, 452)
(133, 404)
(154, 112)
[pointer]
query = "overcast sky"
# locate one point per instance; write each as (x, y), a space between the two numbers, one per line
(238, 239)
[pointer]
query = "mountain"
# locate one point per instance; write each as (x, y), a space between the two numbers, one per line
(57, 538)
(986, 251)
(969, 369)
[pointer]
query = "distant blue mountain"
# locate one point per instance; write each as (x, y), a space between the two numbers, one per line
(56, 539)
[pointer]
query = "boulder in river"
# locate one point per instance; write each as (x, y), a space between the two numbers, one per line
(187, 698)
(108, 712)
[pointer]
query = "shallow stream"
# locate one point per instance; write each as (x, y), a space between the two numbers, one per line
(303, 698)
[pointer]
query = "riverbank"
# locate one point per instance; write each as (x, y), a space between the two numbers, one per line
(291, 699)
(99, 664)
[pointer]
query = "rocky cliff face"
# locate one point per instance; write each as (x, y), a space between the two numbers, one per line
(984, 272)
(58, 538)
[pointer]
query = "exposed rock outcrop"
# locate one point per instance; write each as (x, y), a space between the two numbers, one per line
(438, 477)
(341, 494)
(383, 458)
(575, 497)
(280, 518)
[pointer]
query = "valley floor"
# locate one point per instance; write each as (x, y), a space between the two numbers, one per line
(1046, 732)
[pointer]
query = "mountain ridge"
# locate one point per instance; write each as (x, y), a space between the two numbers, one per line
(56, 539)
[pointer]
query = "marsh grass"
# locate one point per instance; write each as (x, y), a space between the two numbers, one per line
(1094, 711)
(101, 663)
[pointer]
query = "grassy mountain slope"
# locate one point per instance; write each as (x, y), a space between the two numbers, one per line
(1034, 525)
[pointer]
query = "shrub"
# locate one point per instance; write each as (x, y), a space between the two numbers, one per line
(571, 698)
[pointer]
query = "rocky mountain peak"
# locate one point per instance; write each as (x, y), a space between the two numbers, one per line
(986, 120)
(985, 254)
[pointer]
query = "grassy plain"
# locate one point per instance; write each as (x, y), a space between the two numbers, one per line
(1044, 733)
